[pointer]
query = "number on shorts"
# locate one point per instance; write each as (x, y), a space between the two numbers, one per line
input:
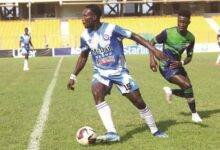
(127, 86)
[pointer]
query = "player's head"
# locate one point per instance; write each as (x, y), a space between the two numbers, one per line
(91, 16)
(26, 30)
(183, 20)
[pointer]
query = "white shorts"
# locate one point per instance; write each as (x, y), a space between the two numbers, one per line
(123, 82)
(25, 50)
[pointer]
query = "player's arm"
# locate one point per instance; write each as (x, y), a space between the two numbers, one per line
(31, 43)
(77, 69)
(157, 53)
(153, 62)
(81, 62)
(124, 33)
(160, 38)
(20, 41)
(189, 54)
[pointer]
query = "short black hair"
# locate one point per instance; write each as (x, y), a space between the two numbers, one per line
(96, 9)
(184, 13)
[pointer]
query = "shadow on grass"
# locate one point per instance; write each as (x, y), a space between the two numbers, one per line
(204, 113)
(164, 125)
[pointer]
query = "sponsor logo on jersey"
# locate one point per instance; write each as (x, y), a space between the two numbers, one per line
(101, 50)
(106, 37)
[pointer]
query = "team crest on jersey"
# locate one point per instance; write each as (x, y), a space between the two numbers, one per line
(106, 37)
(187, 44)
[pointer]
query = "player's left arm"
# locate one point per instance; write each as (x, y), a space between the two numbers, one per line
(157, 53)
(31, 43)
(124, 33)
(189, 53)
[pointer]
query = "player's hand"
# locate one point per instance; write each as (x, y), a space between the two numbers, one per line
(71, 84)
(175, 64)
(153, 65)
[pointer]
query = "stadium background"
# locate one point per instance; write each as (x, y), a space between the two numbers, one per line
(55, 25)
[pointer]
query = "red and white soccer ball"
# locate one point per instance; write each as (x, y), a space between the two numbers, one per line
(86, 135)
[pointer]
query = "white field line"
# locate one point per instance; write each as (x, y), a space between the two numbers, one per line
(36, 134)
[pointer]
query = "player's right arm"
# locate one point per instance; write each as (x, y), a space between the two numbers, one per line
(79, 65)
(160, 38)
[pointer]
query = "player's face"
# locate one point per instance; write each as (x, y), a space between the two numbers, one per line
(26, 31)
(89, 18)
(183, 23)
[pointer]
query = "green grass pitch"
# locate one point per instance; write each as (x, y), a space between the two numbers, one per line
(21, 96)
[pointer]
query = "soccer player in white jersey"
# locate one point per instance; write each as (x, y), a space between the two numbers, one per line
(25, 43)
(104, 41)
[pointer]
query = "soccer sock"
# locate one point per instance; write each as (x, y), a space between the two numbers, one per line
(25, 63)
(218, 60)
(186, 93)
(148, 117)
(178, 92)
(106, 117)
(192, 104)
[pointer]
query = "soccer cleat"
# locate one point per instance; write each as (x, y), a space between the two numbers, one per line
(196, 118)
(25, 69)
(160, 134)
(108, 137)
(168, 94)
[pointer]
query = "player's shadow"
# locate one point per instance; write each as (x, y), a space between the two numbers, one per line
(204, 114)
(164, 125)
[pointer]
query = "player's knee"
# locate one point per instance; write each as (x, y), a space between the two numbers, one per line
(190, 100)
(139, 103)
(97, 94)
(188, 93)
(186, 85)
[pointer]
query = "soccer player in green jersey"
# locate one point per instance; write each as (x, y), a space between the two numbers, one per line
(175, 41)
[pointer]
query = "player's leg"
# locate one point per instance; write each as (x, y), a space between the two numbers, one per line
(128, 87)
(99, 92)
(25, 52)
(176, 76)
(186, 91)
(185, 86)
(145, 113)
(218, 59)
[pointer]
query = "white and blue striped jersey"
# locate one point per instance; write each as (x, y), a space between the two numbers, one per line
(105, 45)
(25, 41)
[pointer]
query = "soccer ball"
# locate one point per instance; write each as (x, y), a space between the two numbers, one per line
(86, 135)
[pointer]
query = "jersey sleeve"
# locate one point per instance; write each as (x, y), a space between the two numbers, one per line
(121, 32)
(83, 45)
(189, 49)
(160, 38)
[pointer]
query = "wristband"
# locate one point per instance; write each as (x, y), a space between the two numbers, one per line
(182, 62)
(73, 77)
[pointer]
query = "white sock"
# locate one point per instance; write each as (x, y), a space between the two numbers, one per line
(148, 117)
(25, 63)
(218, 60)
(106, 116)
